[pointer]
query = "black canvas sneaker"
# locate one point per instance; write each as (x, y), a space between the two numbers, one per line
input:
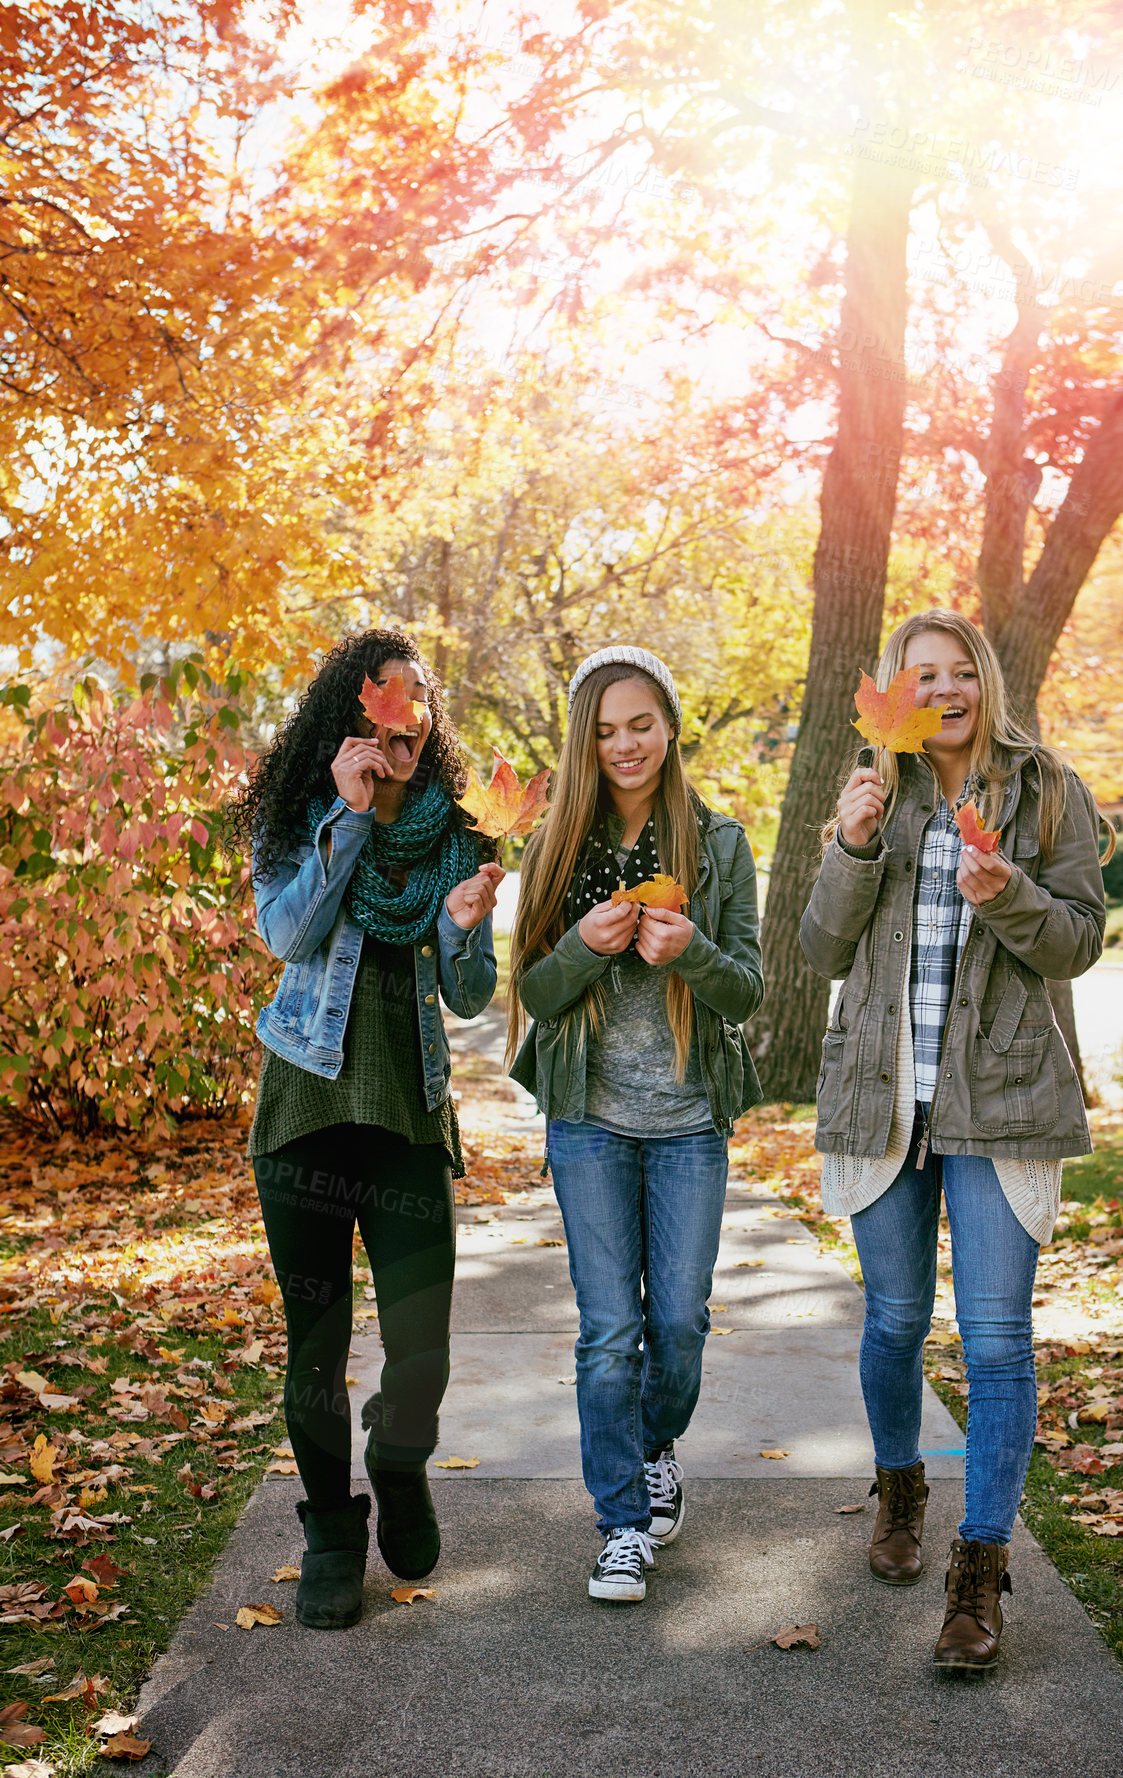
(668, 1502)
(619, 1573)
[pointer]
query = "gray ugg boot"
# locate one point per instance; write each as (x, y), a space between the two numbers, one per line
(408, 1534)
(330, 1593)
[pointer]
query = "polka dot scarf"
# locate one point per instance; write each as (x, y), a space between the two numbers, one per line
(599, 871)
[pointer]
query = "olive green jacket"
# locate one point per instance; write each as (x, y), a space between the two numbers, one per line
(720, 965)
(1007, 1085)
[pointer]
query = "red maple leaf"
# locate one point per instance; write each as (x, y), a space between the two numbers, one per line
(973, 833)
(388, 706)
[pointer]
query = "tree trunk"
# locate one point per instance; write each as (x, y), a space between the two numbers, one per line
(1089, 510)
(856, 505)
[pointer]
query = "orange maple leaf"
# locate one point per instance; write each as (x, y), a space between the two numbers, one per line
(387, 705)
(984, 839)
(660, 891)
(504, 806)
(891, 719)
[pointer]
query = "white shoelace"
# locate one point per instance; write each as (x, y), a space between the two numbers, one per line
(620, 1553)
(663, 1477)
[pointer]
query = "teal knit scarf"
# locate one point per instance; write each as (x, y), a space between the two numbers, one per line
(426, 841)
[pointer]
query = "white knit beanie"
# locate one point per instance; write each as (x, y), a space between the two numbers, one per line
(620, 654)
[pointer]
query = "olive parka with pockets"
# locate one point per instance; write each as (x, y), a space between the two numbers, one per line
(721, 966)
(1007, 1086)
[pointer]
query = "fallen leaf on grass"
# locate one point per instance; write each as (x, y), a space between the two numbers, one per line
(123, 1747)
(288, 1572)
(88, 1690)
(12, 1481)
(104, 1570)
(114, 1722)
(859, 1506)
(891, 718)
(776, 1453)
(505, 806)
(972, 831)
(249, 1615)
(659, 891)
(410, 1595)
(14, 1732)
(80, 1590)
(33, 1381)
(31, 1668)
(457, 1463)
(41, 1462)
(30, 1768)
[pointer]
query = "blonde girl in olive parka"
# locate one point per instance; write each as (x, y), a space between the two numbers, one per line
(944, 1073)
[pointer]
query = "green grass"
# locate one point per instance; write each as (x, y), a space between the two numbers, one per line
(168, 1551)
(1098, 1175)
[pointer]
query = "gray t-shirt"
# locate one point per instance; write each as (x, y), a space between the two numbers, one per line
(630, 1085)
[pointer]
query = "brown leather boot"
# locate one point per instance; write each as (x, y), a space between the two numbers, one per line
(895, 1548)
(976, 1581)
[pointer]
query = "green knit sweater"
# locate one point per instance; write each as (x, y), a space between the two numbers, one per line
(381, 1078)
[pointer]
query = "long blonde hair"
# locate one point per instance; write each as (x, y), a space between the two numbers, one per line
(998, 735)
(552, 856)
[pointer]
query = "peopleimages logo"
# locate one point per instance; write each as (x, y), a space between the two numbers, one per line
(951, 157)
(1041, 70)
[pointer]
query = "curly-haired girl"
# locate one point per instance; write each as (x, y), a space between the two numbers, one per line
(370, 889)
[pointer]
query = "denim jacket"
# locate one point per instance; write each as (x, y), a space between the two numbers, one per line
(302, 919)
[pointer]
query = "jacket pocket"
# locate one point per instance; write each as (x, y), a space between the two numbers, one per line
(830, 1074)
(731, 1079)
(1015, 1091)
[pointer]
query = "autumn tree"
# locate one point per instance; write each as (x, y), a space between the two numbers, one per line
(208, 344)
(937, 147)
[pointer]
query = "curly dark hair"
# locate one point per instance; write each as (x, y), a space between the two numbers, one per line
(269, 813)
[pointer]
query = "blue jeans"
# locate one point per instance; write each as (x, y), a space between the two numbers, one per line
(642, 1223)
(994, 1262)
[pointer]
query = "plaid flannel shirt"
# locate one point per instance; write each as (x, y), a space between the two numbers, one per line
(941, 918)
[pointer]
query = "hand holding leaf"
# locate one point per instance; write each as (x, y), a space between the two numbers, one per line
(505, 807)
(892, 719)
(659, 891)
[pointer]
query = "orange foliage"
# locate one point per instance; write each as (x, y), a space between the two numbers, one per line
(505, 806)
(972, 831)
(891, 719)
(660, 891)
(129, 967)
(387, 705)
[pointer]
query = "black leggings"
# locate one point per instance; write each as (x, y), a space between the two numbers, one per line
(312, 1193)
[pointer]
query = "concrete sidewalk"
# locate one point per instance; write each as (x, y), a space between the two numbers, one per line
(513, 1672)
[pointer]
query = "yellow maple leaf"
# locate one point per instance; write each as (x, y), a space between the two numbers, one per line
(505, 806)
(41, 1462)
(891, 718)
(659, 891)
